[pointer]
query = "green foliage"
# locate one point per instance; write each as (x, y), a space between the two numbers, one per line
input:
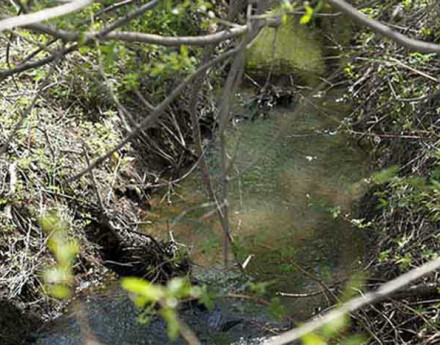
(206, 297)
(126, 65)
(287, 267)
(313, 339)
(331, 332)
(385, 175)
(370, 12)
(239, 248)
(174, 62)
(148, 296)
(131, 81)
(170, 316)
(276, 309)
(59, 278)
(310, 12)
(411, 192)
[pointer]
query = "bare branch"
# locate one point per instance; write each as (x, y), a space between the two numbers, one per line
(203, 40)
(24, 113)
(36, 17)
(130, 16)
(413, 44)
(383, 292)
(28, 65)
(155, 115)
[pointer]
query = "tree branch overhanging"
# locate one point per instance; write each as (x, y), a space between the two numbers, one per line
(38, 17)
(129, 16)
(155, 114)
(29, 65)
(376, 26)
(383, 292)
(202, 40)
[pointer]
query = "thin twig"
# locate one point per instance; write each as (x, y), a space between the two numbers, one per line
(25, 113)
(356, 303)
(36, 17)
(402, 40)
(155, 115)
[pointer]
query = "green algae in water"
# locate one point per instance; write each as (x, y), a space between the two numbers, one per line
(298, 50)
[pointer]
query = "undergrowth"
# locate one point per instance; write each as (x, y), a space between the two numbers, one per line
(396, 119)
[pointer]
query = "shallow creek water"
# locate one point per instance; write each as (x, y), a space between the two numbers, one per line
(292, 173)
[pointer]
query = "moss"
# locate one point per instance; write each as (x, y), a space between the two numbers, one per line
(298, 51)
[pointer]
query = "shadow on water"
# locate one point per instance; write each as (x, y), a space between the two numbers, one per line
(293, 174)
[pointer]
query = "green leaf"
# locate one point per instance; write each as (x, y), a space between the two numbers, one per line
(184, 51)
(143, 288)
(60, 291)
(50, 222)
(308, 15)
(335, 326)
(286, 267)
(168, 5)
(84, 50)
(140, 301)
(60, 276)
(178, 288)
(131, 81)
(173, 324)
(312, 339)
(258, 288)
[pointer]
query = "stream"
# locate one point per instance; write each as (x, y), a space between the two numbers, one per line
(295, 178)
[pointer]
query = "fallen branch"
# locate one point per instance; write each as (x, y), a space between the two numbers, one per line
(356, 303)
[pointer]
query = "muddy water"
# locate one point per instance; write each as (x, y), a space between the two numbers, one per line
(295, 178)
